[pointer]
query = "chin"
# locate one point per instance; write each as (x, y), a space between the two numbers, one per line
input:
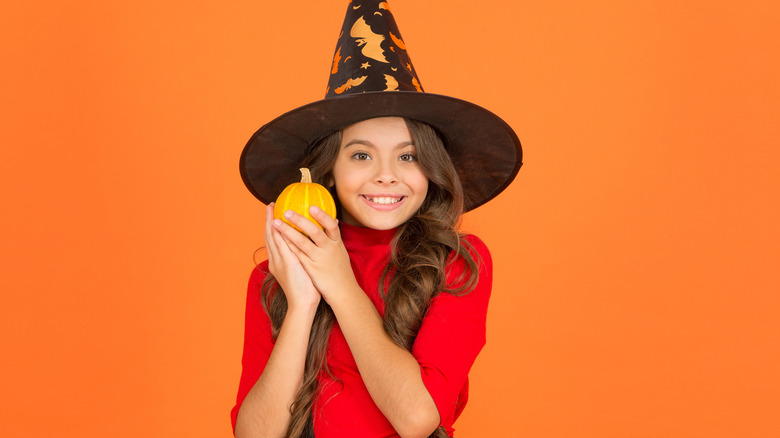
(385, 226)
(379, 225)
(382, 223)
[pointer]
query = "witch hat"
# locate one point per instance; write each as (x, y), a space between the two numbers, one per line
(372, 76)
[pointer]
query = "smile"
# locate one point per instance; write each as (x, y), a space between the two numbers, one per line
(384, 200)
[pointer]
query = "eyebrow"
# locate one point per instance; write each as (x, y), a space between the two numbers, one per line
(369, 144)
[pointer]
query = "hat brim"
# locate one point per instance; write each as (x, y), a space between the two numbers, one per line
(484, 149)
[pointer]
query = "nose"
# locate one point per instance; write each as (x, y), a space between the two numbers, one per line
(386, 174)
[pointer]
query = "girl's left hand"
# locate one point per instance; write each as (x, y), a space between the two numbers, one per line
(322, 254)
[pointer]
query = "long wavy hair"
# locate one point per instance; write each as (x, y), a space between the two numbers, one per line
(420, 252)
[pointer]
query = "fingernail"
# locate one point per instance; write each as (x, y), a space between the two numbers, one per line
(288, 214)
(314, 209)
(277, 222)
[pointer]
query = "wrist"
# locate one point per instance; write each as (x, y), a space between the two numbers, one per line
(351, 301)
(305, 309)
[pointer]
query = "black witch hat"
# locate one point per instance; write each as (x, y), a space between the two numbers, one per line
(372, 76)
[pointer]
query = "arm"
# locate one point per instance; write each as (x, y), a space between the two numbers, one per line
(266, 409)
(391, 374)
(452, 335)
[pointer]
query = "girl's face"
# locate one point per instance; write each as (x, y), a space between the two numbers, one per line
(378, 181)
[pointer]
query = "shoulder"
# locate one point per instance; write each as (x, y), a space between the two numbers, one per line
(260, 271)
(478, 250)
(256, 278)
(477, 244)
(469, 278)
(471, 262)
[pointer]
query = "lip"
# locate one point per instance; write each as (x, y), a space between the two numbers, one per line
(384, 207)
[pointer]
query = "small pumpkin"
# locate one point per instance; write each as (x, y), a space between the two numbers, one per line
(302, 195)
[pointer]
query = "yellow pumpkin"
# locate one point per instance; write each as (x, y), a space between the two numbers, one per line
(302, 195)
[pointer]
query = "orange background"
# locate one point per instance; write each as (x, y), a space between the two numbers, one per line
(636, 283)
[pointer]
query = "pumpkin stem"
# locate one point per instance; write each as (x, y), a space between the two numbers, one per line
(305, 175)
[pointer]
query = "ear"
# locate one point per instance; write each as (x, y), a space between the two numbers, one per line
(330, 182)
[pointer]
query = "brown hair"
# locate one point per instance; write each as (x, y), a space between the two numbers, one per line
(420, 251)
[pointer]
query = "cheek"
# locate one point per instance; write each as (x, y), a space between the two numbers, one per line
(418, 181)
(343, 178)
(347, 180)
(338, 174)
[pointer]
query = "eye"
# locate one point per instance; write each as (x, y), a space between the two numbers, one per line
(409, 157)
(361, 156)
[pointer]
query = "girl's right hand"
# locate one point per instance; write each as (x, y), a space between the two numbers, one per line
(286, 268)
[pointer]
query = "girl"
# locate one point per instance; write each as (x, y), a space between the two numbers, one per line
(368, 327)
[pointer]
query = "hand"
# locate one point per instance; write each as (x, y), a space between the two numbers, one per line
(322, 254)
(286, 268)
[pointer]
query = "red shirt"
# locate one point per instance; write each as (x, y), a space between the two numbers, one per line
(450, 338)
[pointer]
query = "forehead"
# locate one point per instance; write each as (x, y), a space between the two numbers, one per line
(377, 131)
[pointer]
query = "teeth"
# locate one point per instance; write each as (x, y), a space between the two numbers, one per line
(384, 200)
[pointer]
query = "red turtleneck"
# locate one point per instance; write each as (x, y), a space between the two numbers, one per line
(451, 336)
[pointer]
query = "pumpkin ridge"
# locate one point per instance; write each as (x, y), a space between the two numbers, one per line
(307, 203)
(321, 201)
